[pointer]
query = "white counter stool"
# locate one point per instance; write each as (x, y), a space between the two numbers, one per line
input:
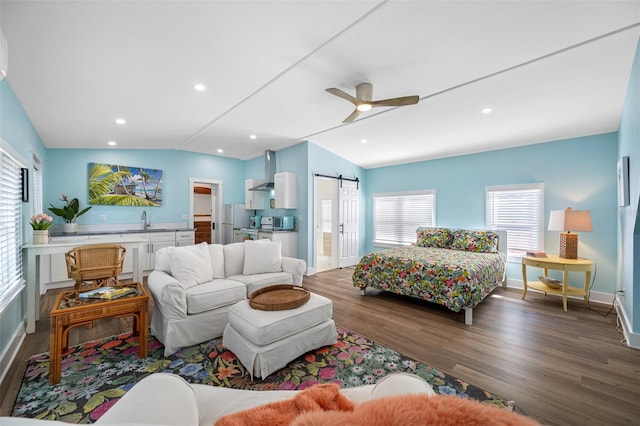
(265, 341)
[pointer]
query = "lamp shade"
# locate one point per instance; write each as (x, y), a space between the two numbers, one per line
(570, 220)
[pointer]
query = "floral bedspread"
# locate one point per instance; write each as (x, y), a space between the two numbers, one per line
(453, 278)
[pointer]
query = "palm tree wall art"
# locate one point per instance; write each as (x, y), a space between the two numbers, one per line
(116, 185)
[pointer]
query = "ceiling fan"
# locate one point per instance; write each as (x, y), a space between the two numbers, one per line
(363, 100)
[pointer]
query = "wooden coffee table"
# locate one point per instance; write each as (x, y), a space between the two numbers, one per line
(69, 311)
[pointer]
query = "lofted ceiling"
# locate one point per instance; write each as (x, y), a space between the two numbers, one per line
(550, 70)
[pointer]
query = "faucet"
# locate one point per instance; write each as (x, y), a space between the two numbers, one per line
(145, 224)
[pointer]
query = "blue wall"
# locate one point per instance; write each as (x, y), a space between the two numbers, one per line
(577, 173)
(19, 134)
(629, 217)
(68, 173)
(324, 162)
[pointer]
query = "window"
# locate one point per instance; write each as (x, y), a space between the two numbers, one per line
(10, 224)
(519, 210)
(396, 216)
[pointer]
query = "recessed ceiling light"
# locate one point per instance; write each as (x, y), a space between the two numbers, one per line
(487, 110)
(111, 143)
(199, 87)
(220, 150)
(252, 136)
(363, 141)
(121, 121)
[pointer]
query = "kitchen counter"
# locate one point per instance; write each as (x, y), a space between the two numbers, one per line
(117, 231)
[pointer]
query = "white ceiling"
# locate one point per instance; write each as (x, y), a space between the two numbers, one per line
(549, 69)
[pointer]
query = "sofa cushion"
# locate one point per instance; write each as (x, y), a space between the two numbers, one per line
(214, 294)
(265, 327)
(258, 281)
(190, 265)
(233, 259)
(262, 256)
(216, 255)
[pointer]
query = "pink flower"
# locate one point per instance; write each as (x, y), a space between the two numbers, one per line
(327, 373)
(41, 221)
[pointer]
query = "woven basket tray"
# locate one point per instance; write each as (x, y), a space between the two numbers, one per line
(279, 297)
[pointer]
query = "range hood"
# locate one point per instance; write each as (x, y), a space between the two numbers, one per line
(269, 172)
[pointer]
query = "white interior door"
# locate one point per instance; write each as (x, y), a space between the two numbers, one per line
(326, 224)
(348, 218)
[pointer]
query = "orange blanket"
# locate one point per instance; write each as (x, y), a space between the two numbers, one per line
(317, 398)
(324, 405)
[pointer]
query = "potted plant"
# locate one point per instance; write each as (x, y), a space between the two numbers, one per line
(70, 213)
(41, 224)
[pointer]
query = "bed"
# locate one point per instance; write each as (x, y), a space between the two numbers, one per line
(454, 268)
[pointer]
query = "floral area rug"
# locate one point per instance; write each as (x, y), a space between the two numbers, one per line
(96, 374)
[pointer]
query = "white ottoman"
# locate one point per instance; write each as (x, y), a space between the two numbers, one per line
(265, 341)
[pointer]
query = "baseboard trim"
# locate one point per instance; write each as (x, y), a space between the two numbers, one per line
(632, 339)
(12, 350)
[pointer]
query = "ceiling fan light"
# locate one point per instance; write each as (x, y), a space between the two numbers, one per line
(363, 107)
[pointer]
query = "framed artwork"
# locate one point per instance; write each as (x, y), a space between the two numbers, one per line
(623, 181)
(116, 185)
(25, 184)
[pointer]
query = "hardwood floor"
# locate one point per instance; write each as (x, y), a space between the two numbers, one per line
(560, 368)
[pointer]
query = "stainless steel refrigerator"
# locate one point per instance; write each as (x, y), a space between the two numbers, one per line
(235, 217)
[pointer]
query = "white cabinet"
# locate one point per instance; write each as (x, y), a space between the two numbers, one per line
(285, 190)
(185, 238)
(156, 241)
(253, 200)
(288, 241)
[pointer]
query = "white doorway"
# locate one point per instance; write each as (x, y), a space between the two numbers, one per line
(205, 197)
(335, 223)
(326, 223)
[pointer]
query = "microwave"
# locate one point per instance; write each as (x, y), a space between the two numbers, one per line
(283, 222)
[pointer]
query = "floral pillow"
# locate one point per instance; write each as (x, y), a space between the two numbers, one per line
(478, 241)
(434, 237)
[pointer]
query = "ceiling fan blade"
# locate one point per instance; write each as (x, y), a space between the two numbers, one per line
(352, 117)
(405, 100)
(343, 95)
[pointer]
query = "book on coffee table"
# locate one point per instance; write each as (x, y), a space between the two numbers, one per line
(106, 293)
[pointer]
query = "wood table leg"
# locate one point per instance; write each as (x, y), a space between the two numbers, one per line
(142, 326)
(565, 285)
(55, 351)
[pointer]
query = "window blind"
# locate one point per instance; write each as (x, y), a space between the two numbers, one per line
(10, 223)
(396, 216)
(519, 210)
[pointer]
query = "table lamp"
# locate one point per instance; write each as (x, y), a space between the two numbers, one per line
(566, 221)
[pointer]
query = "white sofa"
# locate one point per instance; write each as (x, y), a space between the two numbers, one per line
(194, 286)
(165, 399)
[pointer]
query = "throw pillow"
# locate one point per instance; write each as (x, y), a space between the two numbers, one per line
(191, 265)
(434, 237)
(233, 259)
(261, 256)
(163, 263)
(399, 384)
(216, 255)
(478, 241)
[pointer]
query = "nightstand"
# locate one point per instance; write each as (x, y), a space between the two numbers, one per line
(558, 263)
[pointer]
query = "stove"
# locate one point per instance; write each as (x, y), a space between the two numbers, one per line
(249, 233)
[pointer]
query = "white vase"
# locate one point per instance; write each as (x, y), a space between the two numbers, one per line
(41, 237)
(69, 228)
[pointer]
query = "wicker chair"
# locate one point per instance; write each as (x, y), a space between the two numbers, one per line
(95, 265)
